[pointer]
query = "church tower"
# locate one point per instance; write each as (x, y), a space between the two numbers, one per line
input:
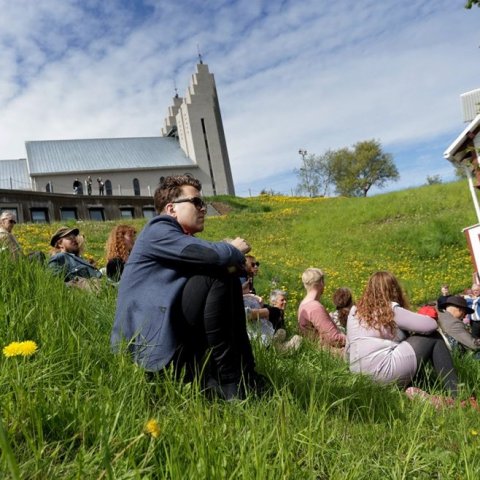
(197, 123)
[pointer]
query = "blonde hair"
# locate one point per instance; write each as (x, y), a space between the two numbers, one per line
(81, 242)
(311, 276)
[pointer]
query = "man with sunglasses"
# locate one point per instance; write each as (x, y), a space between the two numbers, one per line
(180, 302)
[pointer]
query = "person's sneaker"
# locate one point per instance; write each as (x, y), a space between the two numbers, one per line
(279, 336)
(257, 383)
(436, 400)
(294, 343)
(471, 402)
(291, 346)
(226, 391)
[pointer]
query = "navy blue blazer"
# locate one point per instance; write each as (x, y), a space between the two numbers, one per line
(161, 261)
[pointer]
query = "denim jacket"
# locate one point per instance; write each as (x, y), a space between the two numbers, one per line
(72, 266)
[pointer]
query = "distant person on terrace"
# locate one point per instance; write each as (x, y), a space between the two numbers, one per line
(313, 319)
(180, 301)
(66, 260)
(377, 342)
(8, 242)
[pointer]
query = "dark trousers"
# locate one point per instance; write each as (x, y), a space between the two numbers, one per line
(432, 348)
(211, 329)
(475, 326)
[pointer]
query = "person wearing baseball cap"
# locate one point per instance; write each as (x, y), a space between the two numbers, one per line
(450, 319)
(8, 242)
(66, 260)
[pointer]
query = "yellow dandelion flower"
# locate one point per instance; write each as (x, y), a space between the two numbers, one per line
(24, 349)
(152, 428)
(474, 432)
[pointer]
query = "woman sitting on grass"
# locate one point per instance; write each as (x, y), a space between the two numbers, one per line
(260, 327)
(119, 245)
(313, 319)
(378, 343)
(343, 301)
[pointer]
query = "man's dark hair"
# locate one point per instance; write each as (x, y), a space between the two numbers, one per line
(170, 189)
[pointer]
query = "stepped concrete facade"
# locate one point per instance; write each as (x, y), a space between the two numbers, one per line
(196, 121)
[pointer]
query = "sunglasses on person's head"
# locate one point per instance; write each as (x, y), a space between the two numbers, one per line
(198, 202)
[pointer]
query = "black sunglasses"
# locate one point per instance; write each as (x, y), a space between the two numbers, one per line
(198, 202)
(256, 264)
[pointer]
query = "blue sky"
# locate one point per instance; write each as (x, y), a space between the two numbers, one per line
(309, 74)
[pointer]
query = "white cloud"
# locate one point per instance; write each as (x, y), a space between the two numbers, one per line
(308, 74)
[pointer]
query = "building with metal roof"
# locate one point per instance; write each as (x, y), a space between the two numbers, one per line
(192, 142)
(14, 175)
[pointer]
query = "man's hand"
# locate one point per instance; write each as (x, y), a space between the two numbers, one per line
(241, 244)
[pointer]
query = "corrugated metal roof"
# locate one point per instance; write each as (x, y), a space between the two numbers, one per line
(456, 151)
(14, 174)
(470, 104)
(101, 154)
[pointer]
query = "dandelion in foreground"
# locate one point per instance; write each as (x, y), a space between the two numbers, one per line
(25, 349)
(152, 428)
(474, 432)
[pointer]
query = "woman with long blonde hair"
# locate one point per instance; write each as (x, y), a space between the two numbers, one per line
(389, 342)
(119, 245)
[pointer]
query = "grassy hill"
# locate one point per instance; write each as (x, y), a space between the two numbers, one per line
(73, 410)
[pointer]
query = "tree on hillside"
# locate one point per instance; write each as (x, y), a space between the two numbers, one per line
(471, 3)
(355, 171)
(314, 176)
(433, 179)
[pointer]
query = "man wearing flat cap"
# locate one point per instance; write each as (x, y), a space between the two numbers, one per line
(450, 319)
(67, 261)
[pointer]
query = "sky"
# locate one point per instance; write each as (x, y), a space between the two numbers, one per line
(291, 74)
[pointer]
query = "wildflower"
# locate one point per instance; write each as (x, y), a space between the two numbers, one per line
(25, 349)
(474, 432)
(152, 428)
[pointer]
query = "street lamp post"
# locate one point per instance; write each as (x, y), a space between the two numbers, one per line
(303, 153)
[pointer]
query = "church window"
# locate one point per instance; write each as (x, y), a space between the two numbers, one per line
(39, 215)
(148, 212)
(126, 212)
(96, 214)
(136, 187)
(108, 187)
(68, 213)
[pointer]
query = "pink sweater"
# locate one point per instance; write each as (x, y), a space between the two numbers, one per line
(314, 321)
(386, 357)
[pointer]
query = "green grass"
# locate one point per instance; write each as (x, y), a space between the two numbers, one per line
(74, 410)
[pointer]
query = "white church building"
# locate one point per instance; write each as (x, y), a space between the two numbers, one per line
(192, 141)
